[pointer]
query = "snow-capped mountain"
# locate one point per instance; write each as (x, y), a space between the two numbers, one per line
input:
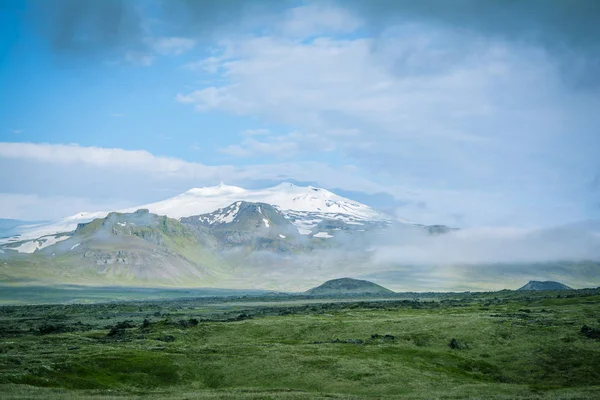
(285, 196)
(305, 207)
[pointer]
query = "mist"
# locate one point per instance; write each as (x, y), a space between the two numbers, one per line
(407, 258)
(491, 245)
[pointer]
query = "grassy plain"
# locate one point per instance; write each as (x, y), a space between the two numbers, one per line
(500, 345)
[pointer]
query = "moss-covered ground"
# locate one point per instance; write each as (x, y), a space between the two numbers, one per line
(497, 345)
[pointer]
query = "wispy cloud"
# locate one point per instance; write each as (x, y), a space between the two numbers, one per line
(132, 174)
(280, 146)
(316, 20)
(255, 132)
(173, 46)
(141, 59)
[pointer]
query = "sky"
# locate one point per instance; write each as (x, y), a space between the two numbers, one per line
(469, 113)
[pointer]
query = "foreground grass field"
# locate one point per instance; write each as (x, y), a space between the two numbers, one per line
(502, 345)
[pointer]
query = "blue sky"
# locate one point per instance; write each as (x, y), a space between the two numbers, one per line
(437, 114)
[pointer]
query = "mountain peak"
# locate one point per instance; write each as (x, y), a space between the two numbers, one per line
(285, 185)
(218, 190)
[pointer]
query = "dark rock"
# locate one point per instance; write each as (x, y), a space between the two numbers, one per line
(457, 345)
(591, 333)
(384, 338)
(48, 329)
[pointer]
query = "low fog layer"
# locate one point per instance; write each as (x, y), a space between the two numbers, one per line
(491, 245)
(408, 259)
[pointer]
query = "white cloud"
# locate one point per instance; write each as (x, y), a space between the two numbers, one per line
(255, 132)
(139, 160)
(281, 146)
(137, 176)
(139, 58)
(172, 45)
(32, 207)
(252, 147)
(426, 108)
(317, 19)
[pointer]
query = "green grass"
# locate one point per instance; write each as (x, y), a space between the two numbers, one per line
(519, 346)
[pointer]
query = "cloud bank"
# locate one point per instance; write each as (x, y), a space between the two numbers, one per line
(464, 112)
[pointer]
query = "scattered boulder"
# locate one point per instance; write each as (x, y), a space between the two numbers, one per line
(166, 338)
(118, 330)
(591, 333)
(384, 338)
(187, 323)
(349, 341)
(457, 344)
(48, 329)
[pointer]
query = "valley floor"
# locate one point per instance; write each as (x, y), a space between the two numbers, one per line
(501, 345)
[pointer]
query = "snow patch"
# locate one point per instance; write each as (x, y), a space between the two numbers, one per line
(38, 244)
(75, 246)
(266, 221)
(222, 215)
(324, 235)
(38, 231)
(282, 236)
(304, 231)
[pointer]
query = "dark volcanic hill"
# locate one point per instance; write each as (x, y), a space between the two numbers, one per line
(544, 285)
(347, 286)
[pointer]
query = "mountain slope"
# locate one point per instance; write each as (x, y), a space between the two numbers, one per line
(258, 225)
(344, 286)
(128, 248)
